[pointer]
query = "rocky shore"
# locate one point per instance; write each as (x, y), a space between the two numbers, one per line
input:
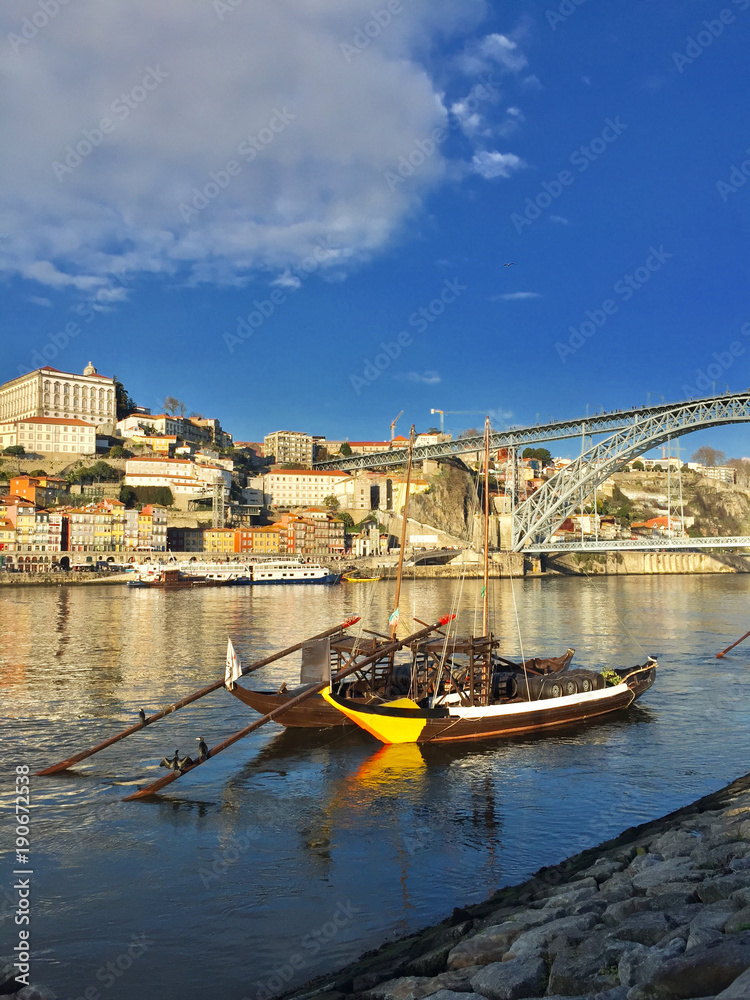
(661, 912)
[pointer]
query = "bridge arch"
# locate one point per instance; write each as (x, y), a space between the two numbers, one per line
(538, 517)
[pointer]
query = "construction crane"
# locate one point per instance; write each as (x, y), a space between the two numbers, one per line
(394, 422)
(464, 413)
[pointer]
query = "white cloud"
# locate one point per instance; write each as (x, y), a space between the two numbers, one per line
(287, 280)
(318, 131)
(518, 296)
(492, 52)
(425, 378)
(559, 219)
(41, 300)
(493, 164)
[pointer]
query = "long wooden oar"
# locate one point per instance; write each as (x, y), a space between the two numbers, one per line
(160, 783)
(65, 764)
(719, 655)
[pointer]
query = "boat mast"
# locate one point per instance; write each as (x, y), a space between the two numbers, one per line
(394, 614)
(486, 522)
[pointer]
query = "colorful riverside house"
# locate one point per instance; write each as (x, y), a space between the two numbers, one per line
(265, 541)
(41, 490)
(219, 541)
(7, 537)
(152, 528)
(117, 512)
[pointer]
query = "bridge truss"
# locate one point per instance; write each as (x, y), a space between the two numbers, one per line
(514, 437)
(538, 517)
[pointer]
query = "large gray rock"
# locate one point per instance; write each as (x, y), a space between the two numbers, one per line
(643, 861)
(639, 963)
(571, 896)
(538, 940)
(739, 990)
(720, 855)
(559, 890)
(487, 946)
(604, 868)
(404, 988)
(738, 921)
(674, 870)
(722, 887)
(513, 980)
(573, 973)
(676, 843)
(701, 972)
(617, 912)
(711, 920)
(451, 995)
(645, 928)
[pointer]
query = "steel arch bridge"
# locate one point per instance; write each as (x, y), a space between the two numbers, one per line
(537, 518)
(516, 437)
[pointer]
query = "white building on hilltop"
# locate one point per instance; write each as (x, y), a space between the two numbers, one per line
(47, 392)
(183, 477)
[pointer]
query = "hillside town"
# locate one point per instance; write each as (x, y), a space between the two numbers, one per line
(85, 470)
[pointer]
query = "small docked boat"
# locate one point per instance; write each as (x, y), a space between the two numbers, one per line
(164, 577)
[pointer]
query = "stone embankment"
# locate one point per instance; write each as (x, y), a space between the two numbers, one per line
(662, 912)
(60, 579)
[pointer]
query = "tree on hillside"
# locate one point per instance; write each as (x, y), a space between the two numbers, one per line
(99, 472)
(332, 502)
(175, 406)
(638, 467)
(542, 455)
(124, 402)
(742, 465)
(471, 432)
(708, 456)
(196, 415)
(16, 449)
(345, 449)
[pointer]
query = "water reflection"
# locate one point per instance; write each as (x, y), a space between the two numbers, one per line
(264, 842)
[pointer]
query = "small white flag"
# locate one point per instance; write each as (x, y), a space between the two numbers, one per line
(234, 667)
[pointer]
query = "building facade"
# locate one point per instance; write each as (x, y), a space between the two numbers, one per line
(300, 487)
(47, 392)
(289, 447)
(49, 435)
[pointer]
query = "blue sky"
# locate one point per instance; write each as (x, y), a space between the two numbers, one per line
(239, 204)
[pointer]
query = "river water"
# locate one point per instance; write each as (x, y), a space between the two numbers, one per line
(290, 853)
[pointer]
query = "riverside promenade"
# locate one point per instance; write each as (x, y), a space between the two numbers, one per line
(661, 912)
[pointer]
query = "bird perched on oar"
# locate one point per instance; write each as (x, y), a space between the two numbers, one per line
(175, 763)
(141, 715)
(202, 748)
